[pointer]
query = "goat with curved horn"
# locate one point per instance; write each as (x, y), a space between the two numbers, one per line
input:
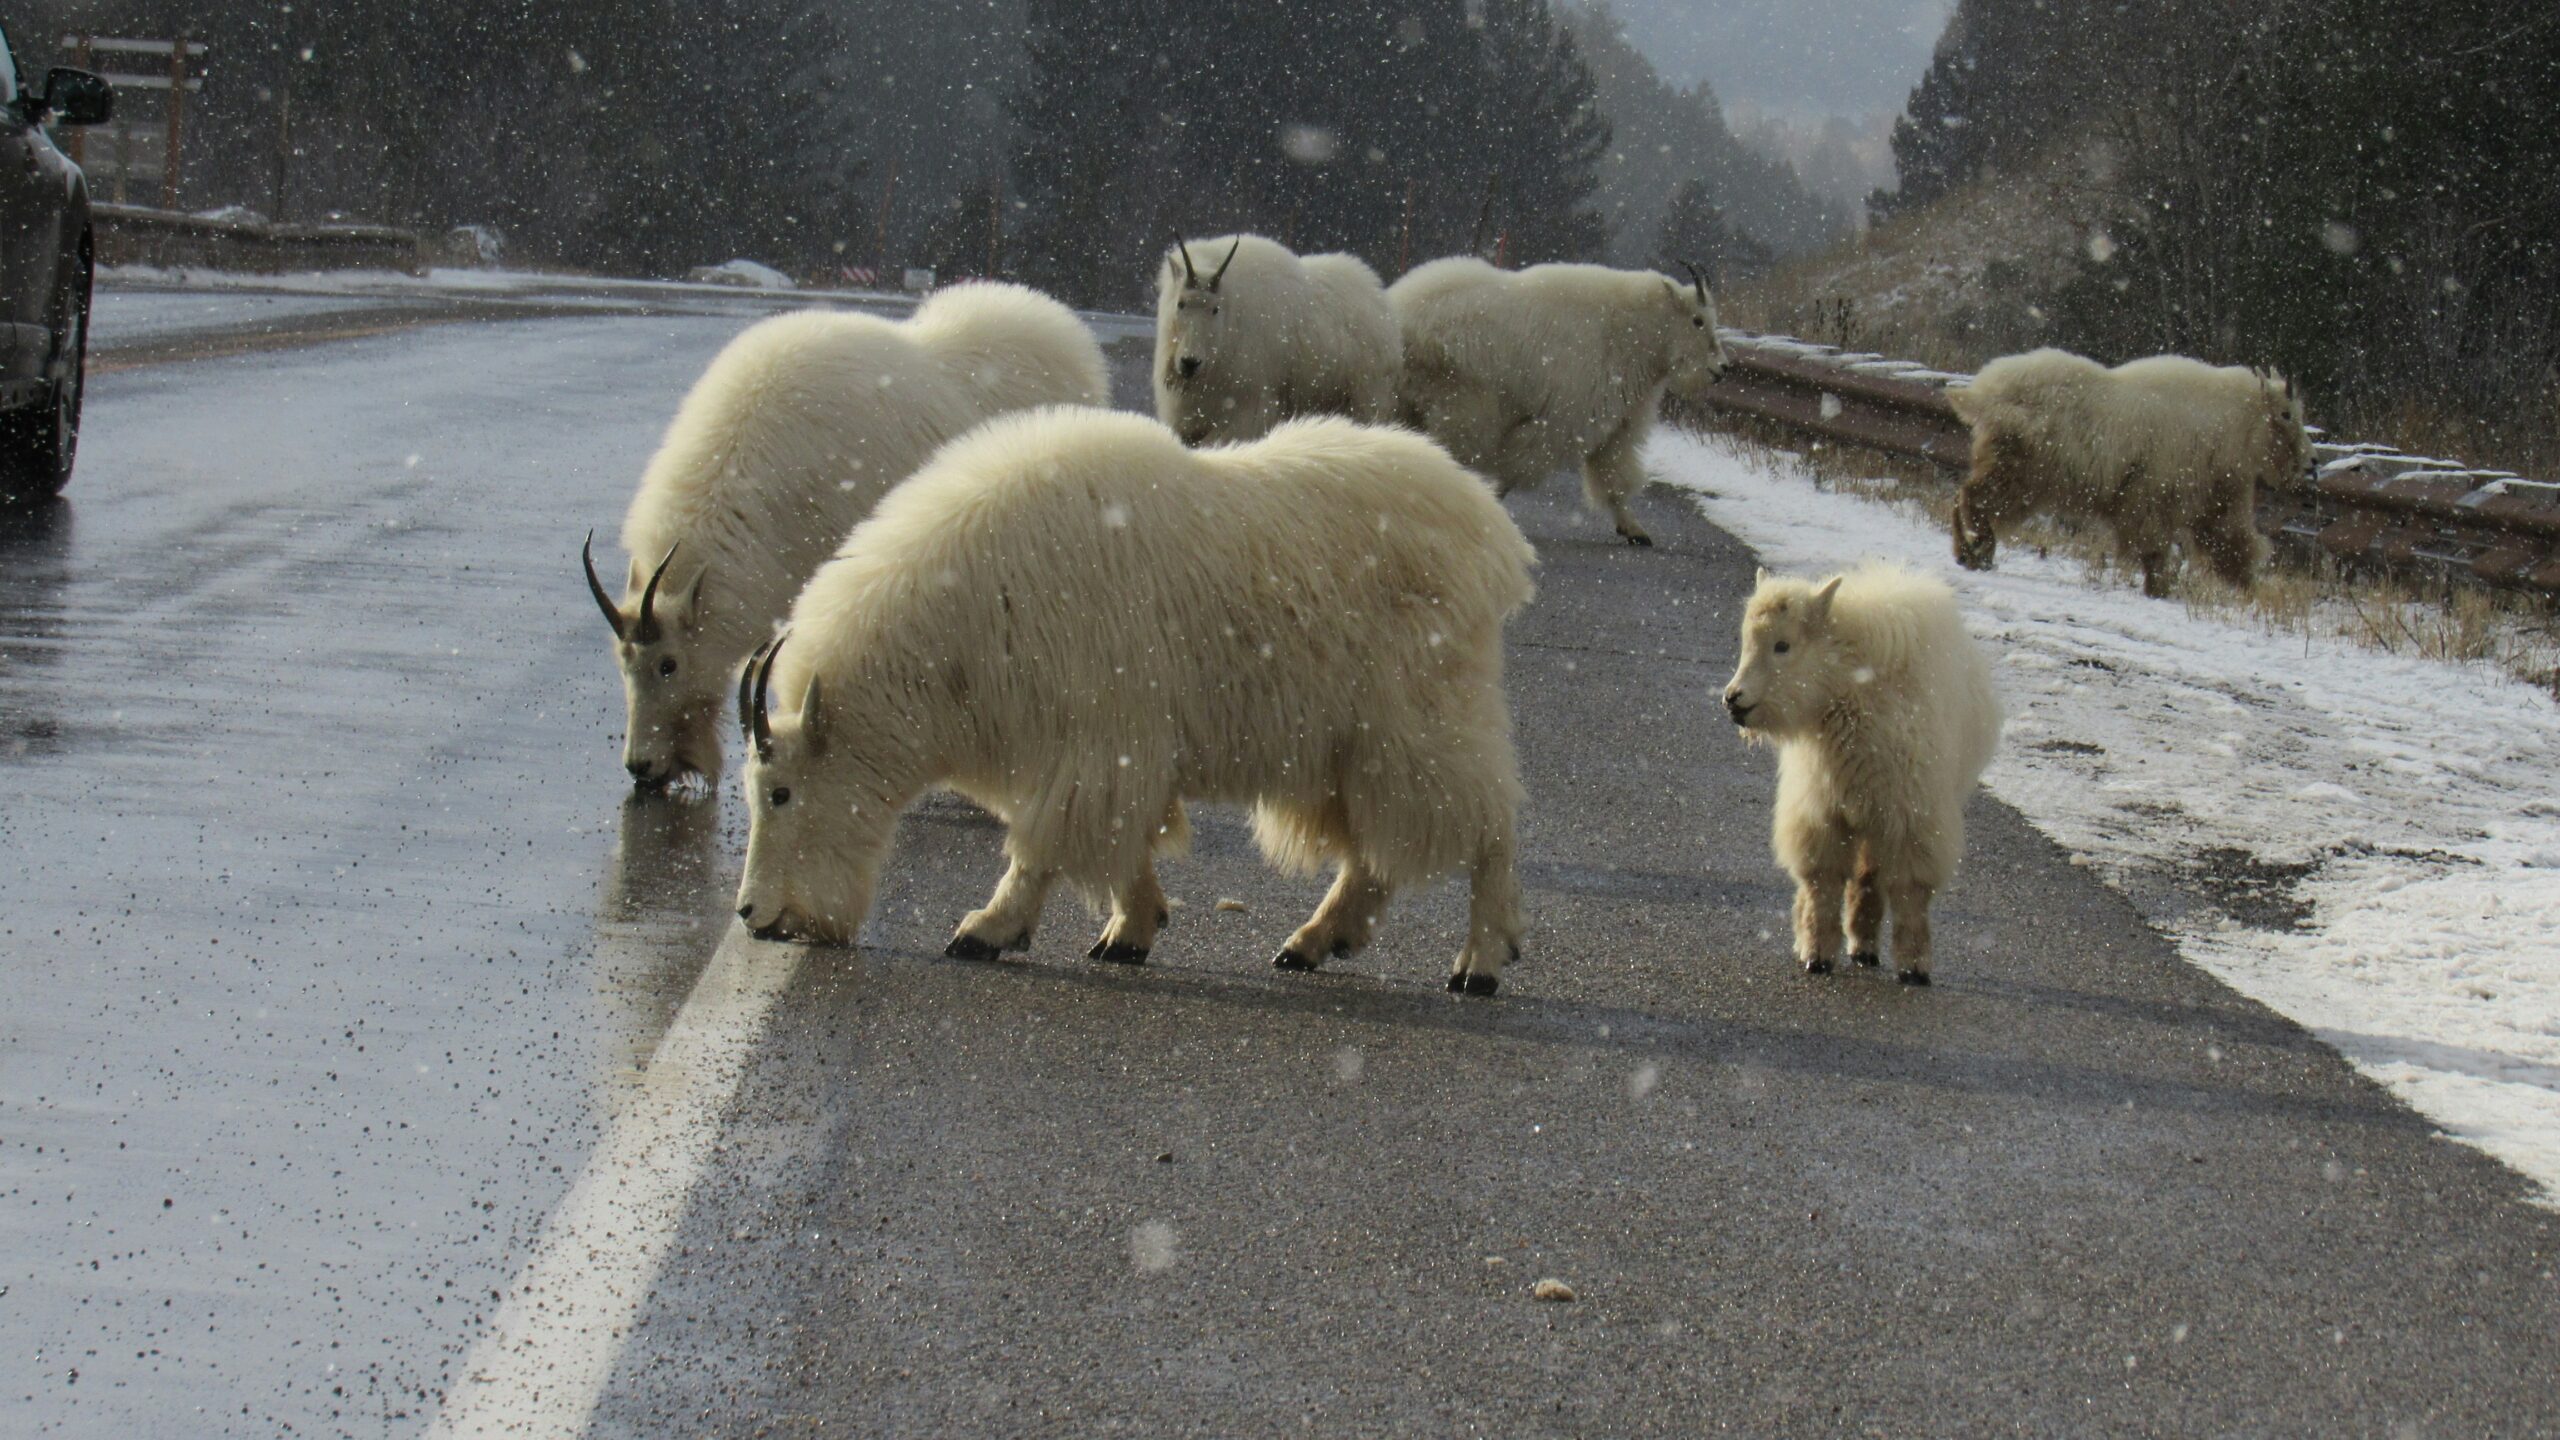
(1190, 273)
(604, 602)
(645, 629)
(1696, 278)
(746, 685)
(1223, 264)
(759, 717)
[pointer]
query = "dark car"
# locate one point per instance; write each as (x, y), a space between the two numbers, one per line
(44, 276)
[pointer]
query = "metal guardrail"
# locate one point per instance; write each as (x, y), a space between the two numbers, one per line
(134, 235)
(2365, 504)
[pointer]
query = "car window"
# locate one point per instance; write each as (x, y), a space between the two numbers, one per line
(8, 71)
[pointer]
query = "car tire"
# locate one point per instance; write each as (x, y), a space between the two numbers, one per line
(39, 444)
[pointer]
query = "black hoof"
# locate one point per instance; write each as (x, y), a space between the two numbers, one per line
(1466, 984)
(965, 946)
(1912, 977)
(1865, 961)
(1641, 542)
(1817, 967)
(1117, 954)
(1292, 960)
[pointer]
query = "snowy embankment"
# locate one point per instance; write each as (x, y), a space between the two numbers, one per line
(2369, 845)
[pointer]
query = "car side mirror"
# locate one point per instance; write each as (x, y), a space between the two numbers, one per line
(77, 97)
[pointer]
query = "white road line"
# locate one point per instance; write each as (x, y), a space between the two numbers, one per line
(543, 1365)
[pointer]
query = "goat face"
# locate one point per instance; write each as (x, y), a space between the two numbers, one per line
(671, 691)
(816, 828)
(1792, 666)
(1697, 352)
(1192, 330)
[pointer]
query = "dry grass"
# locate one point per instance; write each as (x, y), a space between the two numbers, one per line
(2516, 633)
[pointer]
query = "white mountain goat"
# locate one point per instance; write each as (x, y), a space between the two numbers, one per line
(1883, 713)
(1267, 335)
(1077, 623)
(1523, 374)
(791, 435)
(2167, 451)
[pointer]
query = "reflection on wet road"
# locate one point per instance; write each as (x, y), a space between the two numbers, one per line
(315, 994)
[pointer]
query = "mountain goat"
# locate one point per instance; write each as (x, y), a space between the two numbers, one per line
(1268, 335)
(2166, 451)
(1077, 623)
(792, 434)
(1883, 713)
(1522, 374)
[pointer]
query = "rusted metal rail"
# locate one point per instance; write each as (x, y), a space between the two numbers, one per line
(2363, 504)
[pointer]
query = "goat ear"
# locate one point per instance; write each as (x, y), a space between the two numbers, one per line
(1760, 577)
(687, 603)
(1821, 607)
(814, 720)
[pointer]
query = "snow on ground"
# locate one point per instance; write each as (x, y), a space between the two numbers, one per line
(135, 315)
(121, 287)
(2368, 844)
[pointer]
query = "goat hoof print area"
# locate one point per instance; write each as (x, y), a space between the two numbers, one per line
(1473, 984)
(1292, 960)
(970, 947)
(1117, 954)
(1866, 962)
(1912, 977)
(1817, 967)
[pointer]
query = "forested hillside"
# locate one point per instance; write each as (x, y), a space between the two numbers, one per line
(2364, 193)
(1063, 141)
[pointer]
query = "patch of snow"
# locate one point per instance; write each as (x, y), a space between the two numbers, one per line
(744, 273)
(2415, 792)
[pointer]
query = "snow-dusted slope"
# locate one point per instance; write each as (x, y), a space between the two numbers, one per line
(2370, 845)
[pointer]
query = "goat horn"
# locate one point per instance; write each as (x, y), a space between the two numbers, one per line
(760, 722)
(746, 682)
(1695, 278)
(1223, 264)
(1190, 275)
(604, 602)
(645, 630)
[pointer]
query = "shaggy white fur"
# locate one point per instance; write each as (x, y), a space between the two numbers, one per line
(793, 433)
(2167, 451)
(1077, 623)
(1883, 712)
(1249, 334)
(1524, 374)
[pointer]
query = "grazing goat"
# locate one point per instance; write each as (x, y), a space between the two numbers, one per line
(1882, 710)
(2167, 451)
(1077, 623)
(1266, 336)
(793, 433)
(1523, 374)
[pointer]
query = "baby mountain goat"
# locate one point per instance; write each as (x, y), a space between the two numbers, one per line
(1524, 374)
(1263, 335)
(2167, 451)
(1882, 710)
(794, 431)
(1077, 623)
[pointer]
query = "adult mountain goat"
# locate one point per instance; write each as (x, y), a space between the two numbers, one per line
(1265, 335)
(1523, 374)
(792, 434)
(1882, 710)
(1077, 623)
(2167, 451)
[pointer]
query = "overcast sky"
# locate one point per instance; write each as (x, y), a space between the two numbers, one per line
(1803, 58)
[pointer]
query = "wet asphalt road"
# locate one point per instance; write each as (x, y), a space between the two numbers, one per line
(336, 947)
